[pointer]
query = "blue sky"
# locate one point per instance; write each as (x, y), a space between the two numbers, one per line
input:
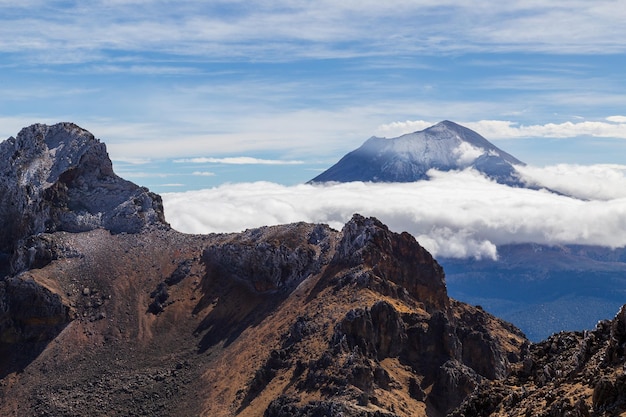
(194, 94)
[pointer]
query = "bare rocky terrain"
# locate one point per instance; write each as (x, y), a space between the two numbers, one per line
(570, 374)
(105, 310)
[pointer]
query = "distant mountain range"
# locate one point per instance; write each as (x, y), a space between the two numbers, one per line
(445, 146)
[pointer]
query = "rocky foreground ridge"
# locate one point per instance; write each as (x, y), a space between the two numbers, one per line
(570, 374)
(105, 310)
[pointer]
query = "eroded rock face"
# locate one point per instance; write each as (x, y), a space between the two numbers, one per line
(448, 347)
(368, 245)
(270, 258)
(31, 308)
(30, 316)
(574, 374)
(55, 178)
(60, 178)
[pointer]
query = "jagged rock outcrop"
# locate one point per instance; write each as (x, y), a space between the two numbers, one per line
(573, 374)
(407, 322)
(60, 178)
(390, 262)
(269, 263)
(55, 178)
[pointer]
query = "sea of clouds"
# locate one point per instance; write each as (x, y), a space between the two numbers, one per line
(454, 214)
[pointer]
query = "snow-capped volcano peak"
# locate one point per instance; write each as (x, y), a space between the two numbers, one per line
(444, 146)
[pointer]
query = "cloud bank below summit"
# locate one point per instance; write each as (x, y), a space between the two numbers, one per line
(455, 214)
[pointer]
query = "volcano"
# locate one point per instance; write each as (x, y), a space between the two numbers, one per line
(445, 146)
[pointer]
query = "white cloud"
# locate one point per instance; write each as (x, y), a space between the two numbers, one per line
(504, 129)
(204, 173)
(590, 182)
(228, 130)
(238, 160)
(132, 161)
(617, 119)
(278, 29)
(466, 154)
(134, 174)
(395, 129)
(459, 214)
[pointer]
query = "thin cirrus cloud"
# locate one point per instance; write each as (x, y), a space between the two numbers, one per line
(233, 78)
(239, 160)
(322, 141)
(456, 214)
(278, 29)
(203, 173)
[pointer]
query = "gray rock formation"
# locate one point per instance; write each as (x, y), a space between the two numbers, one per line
(267, 263)
(397, 259)
(30, 316)
(60, 178)
(451, 346)
(54, 178)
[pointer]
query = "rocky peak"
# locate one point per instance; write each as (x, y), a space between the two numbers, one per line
(397, 258)
(41, 153)
(60, 178)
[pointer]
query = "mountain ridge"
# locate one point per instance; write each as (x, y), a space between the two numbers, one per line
(573, 286)
(296, 320)
(280, 320)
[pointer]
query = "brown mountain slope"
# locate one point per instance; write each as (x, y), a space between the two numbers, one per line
(286, 320)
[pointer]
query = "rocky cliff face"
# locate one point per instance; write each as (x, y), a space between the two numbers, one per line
(60, 178)
(570, 374)
(54, 178)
